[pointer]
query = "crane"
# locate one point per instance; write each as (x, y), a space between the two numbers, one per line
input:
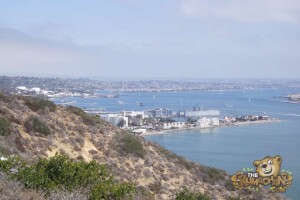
(197, 107)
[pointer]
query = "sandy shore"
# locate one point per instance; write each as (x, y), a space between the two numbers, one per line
(253, 122)
(221, 126)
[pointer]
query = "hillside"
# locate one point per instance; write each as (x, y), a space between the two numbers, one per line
(33, 128)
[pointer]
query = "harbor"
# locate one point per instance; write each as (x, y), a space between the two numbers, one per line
(161, 132)
(223, 146)
(163, 120)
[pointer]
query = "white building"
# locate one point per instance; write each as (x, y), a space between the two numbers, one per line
(21, 88)
(35, 90)
(228, 120)
(207, 122)
(136, 113)
(173, 125)
(215, 122)
(139, 131)
(115, 119)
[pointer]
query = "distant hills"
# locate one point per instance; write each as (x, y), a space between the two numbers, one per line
(14, 85)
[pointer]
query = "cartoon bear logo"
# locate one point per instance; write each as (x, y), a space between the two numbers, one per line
(237, 179)
(269, 166)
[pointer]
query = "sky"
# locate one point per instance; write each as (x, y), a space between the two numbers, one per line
(151, 38)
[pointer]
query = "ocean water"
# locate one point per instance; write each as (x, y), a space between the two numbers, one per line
(229, 148)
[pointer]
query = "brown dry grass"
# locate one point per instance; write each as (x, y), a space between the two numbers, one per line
(12, 190)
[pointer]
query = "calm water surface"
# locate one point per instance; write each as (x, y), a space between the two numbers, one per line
(230, 148)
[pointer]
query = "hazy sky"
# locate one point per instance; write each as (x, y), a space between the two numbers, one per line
(151, 38)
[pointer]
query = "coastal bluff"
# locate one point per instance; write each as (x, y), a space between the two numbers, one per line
(34, 128)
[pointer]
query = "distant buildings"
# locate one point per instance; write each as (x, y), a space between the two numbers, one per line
(173, 125)
(9, 84)
(140, 114)
(116, 119)
(204, 118)
(160, 112)
(32, 91)
(139, 131)
(243, 118)
(207, 122)
(228, 120)
(162, 119)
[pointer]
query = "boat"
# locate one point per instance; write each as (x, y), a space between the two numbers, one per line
(139, 104)
(121, 103)
(228, 105)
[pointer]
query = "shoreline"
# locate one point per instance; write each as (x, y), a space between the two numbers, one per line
(291, 98)
(163, 132)
(288, 101)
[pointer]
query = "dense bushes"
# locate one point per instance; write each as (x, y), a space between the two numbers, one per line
(131, 144)
(86, 118)
(128, 143)
(110, 190)
(4, 126)
(59, 172)
(12, 165)
(186, 194)
(34, 124)
(35, 103)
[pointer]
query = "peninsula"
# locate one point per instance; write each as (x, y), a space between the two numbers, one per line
(67, 138)
(293, 98)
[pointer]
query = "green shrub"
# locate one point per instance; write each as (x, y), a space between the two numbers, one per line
(34, 124)
(110, 190)
(11, 165)
(60, 172)
(86, 118)
(36, 103)
(186, 194)
(4, 126)
(128, 143)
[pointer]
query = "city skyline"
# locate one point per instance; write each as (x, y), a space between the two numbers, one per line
(151, 39)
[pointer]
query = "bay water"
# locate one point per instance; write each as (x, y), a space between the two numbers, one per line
(229, 148)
